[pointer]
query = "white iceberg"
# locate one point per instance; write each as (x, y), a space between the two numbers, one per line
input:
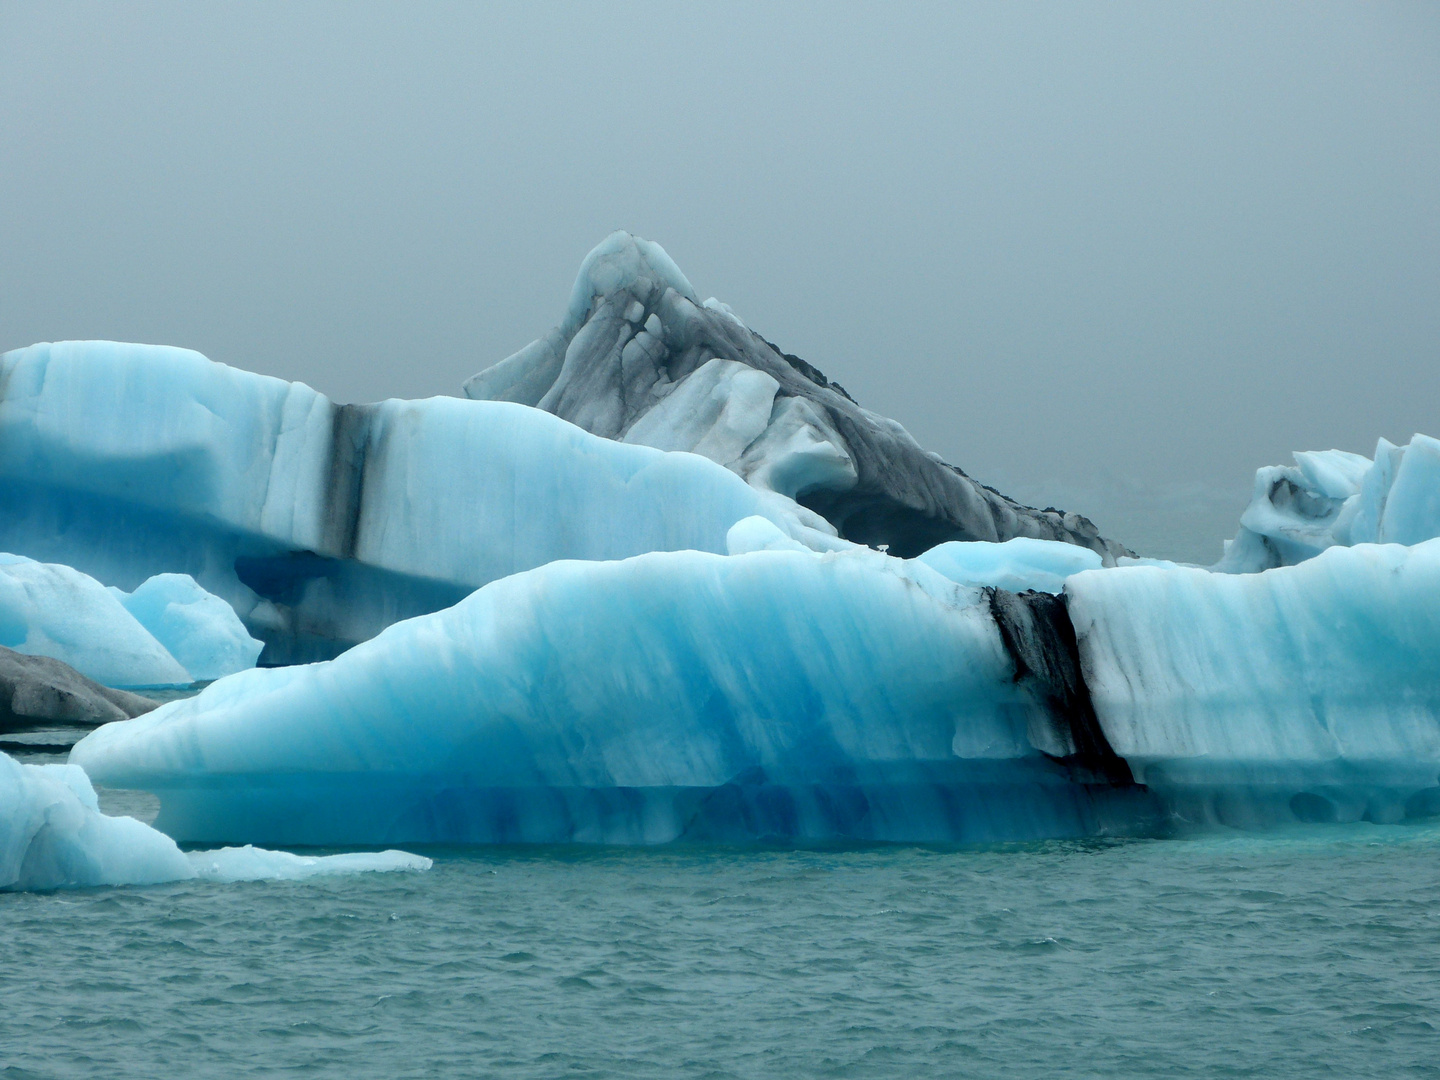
(250, 863)
(637, 357)
(53, 836)
(1331, 497)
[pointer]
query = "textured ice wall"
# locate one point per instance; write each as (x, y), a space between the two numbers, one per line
(322, 524)
(638, 357)
(785, 693)
(777, 693)
(1310, 691)
(1331, 497)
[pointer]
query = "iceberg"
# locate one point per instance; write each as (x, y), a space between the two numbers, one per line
(321, 524)
(676, 695)
(199, 629)
(53, 836)
(1017, 565)
(639, 358)
(1309, 692)
(250, 863)
(784, 693)
(1331, 497)
(55, 611)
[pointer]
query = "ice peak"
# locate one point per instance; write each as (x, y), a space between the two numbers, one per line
(623, 262)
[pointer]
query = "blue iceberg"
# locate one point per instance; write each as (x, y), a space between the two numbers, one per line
(55, 611)
(781, 694)
(321, 524)
(1309, 692)
(169, 632)
(199, 629)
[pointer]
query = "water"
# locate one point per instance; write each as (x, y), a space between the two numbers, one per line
(1313, 953)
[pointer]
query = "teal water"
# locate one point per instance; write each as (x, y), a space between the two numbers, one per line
(1302, 954)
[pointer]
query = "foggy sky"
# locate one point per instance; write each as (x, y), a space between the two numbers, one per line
(1058, 242)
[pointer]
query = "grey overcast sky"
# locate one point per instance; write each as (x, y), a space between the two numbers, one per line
(1059, 242)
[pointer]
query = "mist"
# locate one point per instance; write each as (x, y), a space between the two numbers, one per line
(1122, 253)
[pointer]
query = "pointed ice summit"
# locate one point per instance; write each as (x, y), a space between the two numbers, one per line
(640, 359)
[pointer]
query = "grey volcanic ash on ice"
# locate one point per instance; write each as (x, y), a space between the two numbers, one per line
(640, 359)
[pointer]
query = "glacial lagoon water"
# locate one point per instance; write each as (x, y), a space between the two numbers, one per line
(1293, 954)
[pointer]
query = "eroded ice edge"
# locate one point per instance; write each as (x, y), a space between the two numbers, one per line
(53, 835)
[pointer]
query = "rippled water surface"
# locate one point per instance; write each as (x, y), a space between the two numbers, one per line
(1306, 954)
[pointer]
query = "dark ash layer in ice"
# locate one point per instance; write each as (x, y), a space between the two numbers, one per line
(1040, 638)
(639, 358)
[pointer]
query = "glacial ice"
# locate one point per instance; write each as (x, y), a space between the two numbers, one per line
(168, 632)
(250, 863)
(51, 610)
(780, 692)
(777, 693)
(639, 358)
(199, 629)
(1016, 565)
(53, 836)
(322, 524)
(1331, 497)
(1310, 691)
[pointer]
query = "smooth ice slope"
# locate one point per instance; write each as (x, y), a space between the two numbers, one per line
(1331, 497)
(52, 610)
(776, 693)
(199, 629)
(1015, 565)
(53, 836)
(322, 524)
(1310, 691)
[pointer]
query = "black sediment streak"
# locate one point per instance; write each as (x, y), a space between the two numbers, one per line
(349, 444)
(1037, 631)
